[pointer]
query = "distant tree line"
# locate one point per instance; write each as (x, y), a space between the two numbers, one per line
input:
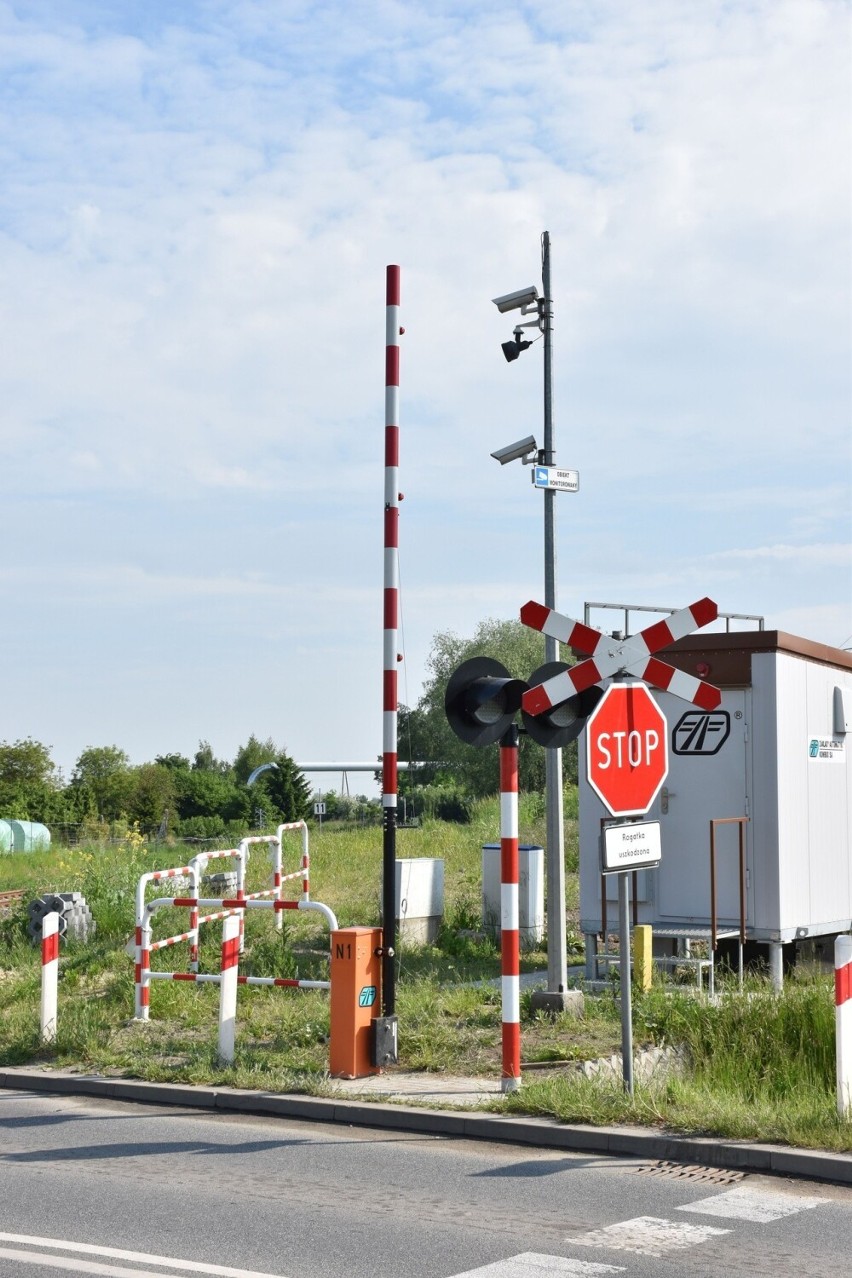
(200, 797)
(204, 796)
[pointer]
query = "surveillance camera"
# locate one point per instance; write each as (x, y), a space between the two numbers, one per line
(514, 452)
(516, 301)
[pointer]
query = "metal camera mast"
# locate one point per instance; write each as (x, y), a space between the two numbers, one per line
(550, 480)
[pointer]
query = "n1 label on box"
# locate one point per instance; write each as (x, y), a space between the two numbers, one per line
(632, 845)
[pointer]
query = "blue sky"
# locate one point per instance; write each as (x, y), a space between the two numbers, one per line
(198, 206)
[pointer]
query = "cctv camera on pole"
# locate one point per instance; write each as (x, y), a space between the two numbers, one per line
(524, 300)
(519, 451)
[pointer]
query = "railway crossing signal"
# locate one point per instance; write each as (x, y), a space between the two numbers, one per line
(482, 700)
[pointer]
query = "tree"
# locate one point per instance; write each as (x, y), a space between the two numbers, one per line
(204, 793)
(105, 772)
(29, 786)
(206, 761)
(281, 792)
(252, 755)
(152, 795)
(424, 732)
(174, 762)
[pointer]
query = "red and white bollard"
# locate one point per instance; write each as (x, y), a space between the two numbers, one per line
(49, 975)
(510, 947)
(843, 1022)
(228, 987)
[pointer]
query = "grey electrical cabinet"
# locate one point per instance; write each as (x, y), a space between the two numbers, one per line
(778, 751)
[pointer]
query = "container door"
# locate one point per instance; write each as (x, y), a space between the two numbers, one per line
(708, 779)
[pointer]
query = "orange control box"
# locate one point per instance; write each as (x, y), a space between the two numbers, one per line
(356, 974)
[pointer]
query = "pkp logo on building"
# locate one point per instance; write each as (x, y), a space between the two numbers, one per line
(700, 732)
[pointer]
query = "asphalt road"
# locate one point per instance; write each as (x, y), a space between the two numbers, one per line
(110, 1188)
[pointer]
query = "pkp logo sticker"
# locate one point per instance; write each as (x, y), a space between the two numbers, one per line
(701, 732)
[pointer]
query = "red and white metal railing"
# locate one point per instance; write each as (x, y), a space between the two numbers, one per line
(230, 908)
(194, 871)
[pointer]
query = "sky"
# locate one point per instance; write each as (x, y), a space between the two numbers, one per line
(198, 206)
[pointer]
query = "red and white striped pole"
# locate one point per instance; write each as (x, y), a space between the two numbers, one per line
(843, 1022)
(228, 987)
(510, 948)
(391, 625)
(49, 975)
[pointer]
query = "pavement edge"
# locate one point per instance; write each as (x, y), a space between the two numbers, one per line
(546, 1133)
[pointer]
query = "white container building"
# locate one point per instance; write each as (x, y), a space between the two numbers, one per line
(778, 752)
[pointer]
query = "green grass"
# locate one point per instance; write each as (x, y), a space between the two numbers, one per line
(760, 1066)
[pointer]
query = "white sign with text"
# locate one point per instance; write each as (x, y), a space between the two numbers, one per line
(631, 845)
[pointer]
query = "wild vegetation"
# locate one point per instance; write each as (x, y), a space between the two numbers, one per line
(760, 1066)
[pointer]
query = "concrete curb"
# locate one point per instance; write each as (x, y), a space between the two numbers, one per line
(547, 1133)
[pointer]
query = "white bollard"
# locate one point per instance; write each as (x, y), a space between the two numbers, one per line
(49, 975)
(843, 1022)
(231, 929)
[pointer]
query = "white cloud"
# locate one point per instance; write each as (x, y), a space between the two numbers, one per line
(200, 207)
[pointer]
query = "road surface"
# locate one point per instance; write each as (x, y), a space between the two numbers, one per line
(93, 1187)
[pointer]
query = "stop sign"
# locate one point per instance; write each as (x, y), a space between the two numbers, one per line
(627, 756)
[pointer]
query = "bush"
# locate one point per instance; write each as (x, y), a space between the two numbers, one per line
(444, 803)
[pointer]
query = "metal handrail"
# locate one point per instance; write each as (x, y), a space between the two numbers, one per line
(740, 822)
(727, 617)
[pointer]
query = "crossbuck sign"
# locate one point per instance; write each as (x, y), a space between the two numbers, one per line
(607, 656)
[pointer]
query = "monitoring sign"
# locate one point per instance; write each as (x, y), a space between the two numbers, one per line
(567, 481)
(630, 845)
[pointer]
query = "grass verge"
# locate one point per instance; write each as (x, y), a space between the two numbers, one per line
(760, 1066)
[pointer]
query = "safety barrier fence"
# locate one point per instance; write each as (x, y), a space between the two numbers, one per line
(196, 868)
(230, 908)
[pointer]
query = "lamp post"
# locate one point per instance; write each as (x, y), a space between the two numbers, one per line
(555, 998)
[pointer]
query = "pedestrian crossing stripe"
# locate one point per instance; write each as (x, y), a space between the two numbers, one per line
(756, 1205)
(648, 1236)
(530, 1264)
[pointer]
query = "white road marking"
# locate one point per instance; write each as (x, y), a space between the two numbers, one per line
(530, 1264)
(756, 1205)
(115, 1253)
(75, 1266)
(647, 1236)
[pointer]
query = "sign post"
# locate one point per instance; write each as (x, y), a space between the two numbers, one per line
(626, 764)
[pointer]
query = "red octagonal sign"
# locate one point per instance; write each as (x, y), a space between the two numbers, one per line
(627, 757)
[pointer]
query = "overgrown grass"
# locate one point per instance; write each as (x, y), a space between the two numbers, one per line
(760, 1066)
